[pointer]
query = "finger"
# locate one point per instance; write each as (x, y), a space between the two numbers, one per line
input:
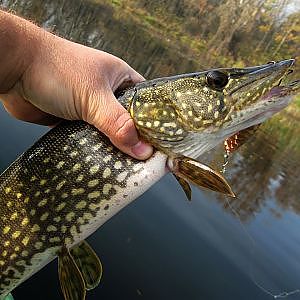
(135, 76)
(127, 77)
(131, 78)
(114, 121)
(25, 111)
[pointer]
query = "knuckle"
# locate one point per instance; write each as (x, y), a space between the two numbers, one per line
(125, 133)
(92, 107)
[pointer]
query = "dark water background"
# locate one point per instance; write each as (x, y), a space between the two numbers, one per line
(162, 246)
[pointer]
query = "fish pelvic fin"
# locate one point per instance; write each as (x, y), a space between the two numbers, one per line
(88, 264)
(201, 175)
(71, 281)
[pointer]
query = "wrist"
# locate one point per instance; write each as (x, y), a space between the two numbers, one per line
(20, 40)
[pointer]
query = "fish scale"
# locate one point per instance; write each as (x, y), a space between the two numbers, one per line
(55, 193)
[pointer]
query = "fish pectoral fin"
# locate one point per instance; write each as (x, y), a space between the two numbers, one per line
(185, 186)
(88, 263)
(199, 174)
(71, 280)
(7, 297)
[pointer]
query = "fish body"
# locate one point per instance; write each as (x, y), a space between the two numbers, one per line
(60, 191)
(73, 179)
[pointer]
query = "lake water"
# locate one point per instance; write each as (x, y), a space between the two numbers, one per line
(162, 246)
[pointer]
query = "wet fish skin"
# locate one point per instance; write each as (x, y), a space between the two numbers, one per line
(61, 190)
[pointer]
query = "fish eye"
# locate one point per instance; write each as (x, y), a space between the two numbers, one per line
(216, 79)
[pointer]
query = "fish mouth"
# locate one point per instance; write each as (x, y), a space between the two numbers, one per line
(261, 70)
(273, 101)
(290, 88)
(254, 94)
(250, 84)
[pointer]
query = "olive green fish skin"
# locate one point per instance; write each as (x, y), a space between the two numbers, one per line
(66, 180)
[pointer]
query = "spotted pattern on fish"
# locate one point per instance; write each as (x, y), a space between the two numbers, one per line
(186, 106)
(52, 191)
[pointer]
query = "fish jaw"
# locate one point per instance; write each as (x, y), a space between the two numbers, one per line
(275, 100)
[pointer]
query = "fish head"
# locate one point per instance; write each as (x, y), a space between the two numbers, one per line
(192, 113)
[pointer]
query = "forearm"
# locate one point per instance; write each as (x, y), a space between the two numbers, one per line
(19, 41)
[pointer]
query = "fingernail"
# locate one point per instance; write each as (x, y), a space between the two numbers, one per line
(142, 150)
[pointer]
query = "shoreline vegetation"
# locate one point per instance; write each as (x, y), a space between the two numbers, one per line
(203, 28)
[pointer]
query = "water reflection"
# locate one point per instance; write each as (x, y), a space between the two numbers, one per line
(263, 170)
(172, 249)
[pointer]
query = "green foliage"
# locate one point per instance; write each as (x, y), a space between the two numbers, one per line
(286, 127)
(116, 2)
(151, 20)
(297, 102)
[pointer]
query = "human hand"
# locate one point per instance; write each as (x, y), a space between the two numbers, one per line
(71, 81)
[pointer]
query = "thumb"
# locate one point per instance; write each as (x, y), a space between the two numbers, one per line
(111, 118)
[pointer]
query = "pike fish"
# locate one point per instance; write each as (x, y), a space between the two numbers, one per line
(73, 179)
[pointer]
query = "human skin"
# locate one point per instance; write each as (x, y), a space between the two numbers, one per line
(44, 78)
